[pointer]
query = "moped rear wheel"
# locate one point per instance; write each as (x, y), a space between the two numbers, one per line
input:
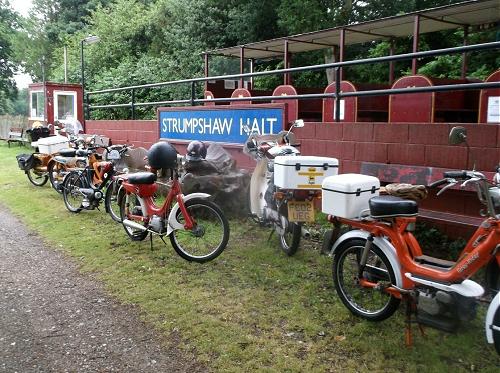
(209, 236)
(368, 303)
(290, 240)
(129, 207)
(36, 177)
(73, 197)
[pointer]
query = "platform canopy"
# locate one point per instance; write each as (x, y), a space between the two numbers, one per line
(469, 13)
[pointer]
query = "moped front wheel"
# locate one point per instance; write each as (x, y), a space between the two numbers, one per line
(209, 236)
(56, 175)
(36, 177)
(111, 201)
(366, 302)
(130, 209)
(73, 197)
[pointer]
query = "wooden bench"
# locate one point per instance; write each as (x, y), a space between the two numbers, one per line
(16, 135)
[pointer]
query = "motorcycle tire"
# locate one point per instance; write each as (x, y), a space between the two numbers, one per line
(290, 241)
(37, 178)
(55, 171)
(73, 198)
(355, 297)
(112, 202)
(130, 201)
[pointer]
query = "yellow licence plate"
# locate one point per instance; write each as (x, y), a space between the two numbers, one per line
(299, 211)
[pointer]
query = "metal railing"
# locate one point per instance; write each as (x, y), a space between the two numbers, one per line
(336, 66)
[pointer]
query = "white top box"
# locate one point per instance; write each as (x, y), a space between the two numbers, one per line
(303, 172)
(52, 144)
(347, 195)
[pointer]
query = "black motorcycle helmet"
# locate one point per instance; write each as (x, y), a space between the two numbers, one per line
(162, 155)
(196, 151)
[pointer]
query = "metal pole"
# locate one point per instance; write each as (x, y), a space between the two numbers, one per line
(464, 55)
(65, 64)
(416, 37)
(242, 66)
(391, 64)
(133, 104)
(341, 53)
(193, 93)
(83, 84)
(337, 91)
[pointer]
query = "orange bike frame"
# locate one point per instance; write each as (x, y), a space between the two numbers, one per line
(477, 253)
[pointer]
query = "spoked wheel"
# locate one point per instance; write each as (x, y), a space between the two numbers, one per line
(37, 178)
(368, 303)
(208, 238)
(111, 201)
(73, 197)
(56, 175)
(290, 240)
(129, 207)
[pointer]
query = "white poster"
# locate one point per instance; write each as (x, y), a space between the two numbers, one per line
(342, 105)
(493, 109)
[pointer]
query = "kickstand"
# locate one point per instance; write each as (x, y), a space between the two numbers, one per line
(270, 235)
(411, 309)
(151, 240)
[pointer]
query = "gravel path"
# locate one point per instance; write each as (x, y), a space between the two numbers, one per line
(54, 319)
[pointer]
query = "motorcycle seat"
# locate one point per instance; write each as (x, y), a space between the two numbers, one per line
(141, 178)
(391, 207)
(67, 152)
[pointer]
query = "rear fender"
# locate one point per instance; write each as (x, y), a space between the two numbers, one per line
(382, 243)
(173, 223)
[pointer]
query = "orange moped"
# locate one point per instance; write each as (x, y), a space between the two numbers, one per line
(380, 262)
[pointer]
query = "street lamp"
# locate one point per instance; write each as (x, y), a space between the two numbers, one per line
(91, 39)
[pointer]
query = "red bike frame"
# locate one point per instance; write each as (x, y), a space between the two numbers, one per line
(146, 192)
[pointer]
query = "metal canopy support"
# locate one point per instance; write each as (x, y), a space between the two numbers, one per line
(252, 66)
(369, 33)
(309, 42)
(341, 53)
(464, 55)
(416, 36)
(391, 64)
(206, 55)
(242, 66)
(286, 76)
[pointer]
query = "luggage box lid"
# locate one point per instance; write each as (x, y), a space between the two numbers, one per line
(306, 161)
(351, 183)
(51, 140)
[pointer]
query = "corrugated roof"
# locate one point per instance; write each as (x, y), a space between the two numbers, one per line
(469, 13)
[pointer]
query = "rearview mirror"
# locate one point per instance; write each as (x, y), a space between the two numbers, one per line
(299, 123)
(457, 135)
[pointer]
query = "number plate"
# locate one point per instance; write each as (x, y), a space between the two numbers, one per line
(299, 211)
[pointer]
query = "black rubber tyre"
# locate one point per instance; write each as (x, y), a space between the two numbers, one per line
(355, 297)
(72, 196)
(209, 237)
(290, 241)
(56, 174)
(37, 178)
(129, 205)
(496, 333)
(111, 201)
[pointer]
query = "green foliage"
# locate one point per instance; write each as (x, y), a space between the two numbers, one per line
(8, 21)
(435, 243)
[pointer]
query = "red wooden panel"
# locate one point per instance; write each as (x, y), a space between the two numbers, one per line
(416, 107)
(450, 157)
(292, 106)
(486, 96)
(358, 132)
(241, 92)
(208, 95)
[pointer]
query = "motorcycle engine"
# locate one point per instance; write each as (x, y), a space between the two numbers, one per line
(156, 224)
(443, 310)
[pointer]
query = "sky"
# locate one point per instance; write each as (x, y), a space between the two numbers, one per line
(22, 7)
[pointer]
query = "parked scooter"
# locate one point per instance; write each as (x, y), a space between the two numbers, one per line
(284, 185)
(381, 263)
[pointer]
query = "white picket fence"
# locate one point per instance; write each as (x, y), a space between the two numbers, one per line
(9, 121)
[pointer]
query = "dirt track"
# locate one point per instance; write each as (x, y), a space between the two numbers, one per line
(54, 319)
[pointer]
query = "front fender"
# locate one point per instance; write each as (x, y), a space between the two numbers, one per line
(382, 243)
(490, 315)
(173, 223)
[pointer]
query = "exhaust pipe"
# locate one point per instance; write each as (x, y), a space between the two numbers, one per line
(305, 233)
(134, 225)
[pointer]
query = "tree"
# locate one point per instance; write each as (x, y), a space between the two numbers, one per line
(7, 28)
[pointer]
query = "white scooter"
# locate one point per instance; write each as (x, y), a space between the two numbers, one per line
(275, 199)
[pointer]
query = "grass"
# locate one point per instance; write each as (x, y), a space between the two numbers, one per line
(253, 308)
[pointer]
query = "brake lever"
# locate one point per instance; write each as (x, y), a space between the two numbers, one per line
(472, 179)
(451, 184)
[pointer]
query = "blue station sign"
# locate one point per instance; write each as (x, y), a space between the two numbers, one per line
(222, 124)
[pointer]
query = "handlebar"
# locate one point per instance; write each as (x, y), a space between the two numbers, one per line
(457, 175)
